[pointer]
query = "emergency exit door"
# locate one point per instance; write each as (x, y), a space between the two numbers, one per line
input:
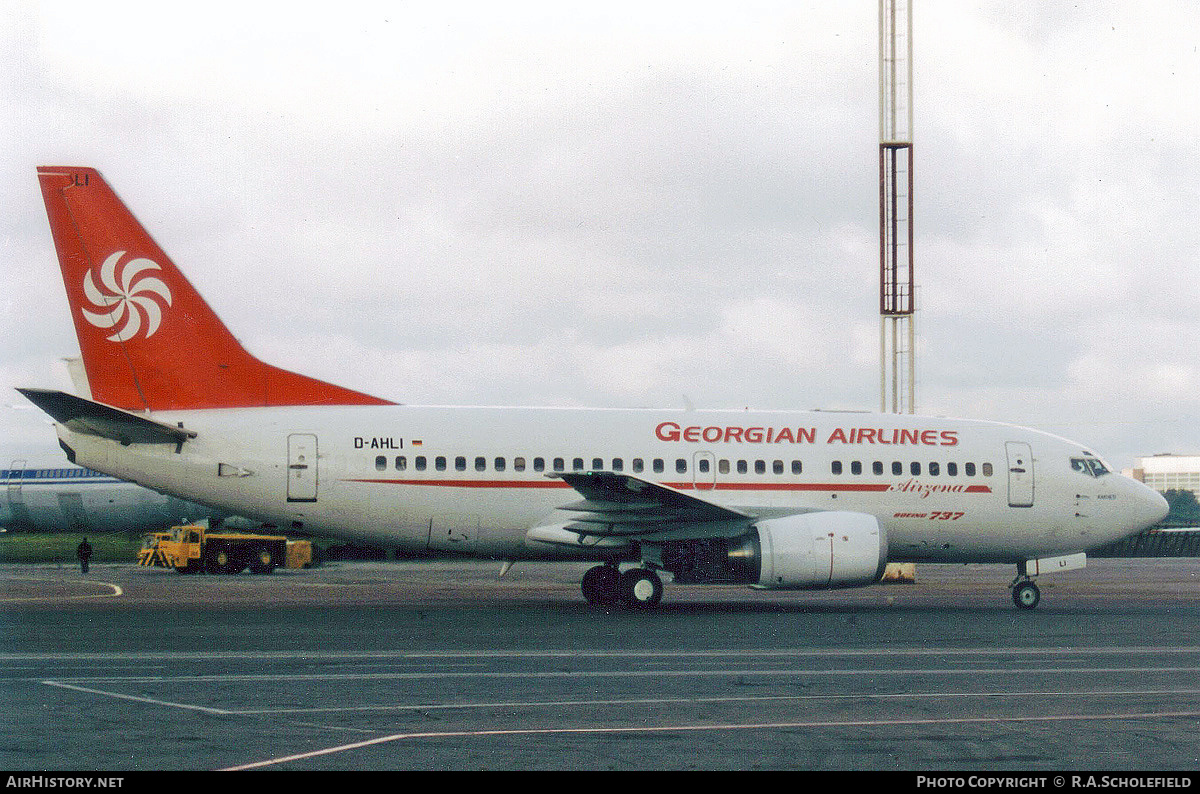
(1020, 474)
(302, 468)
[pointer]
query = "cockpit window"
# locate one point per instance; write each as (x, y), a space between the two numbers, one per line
(1093, 467)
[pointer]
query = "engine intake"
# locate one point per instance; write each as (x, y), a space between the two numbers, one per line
(808, 551)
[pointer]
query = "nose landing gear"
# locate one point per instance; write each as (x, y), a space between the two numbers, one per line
(1025, 593)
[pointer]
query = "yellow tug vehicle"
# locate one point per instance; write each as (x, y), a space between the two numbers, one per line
(194, 548)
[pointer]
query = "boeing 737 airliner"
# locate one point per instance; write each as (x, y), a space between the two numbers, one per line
(774, 500)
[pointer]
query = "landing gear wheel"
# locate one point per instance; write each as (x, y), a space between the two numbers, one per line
(600, 585)
(640, 588)
(1026, 595)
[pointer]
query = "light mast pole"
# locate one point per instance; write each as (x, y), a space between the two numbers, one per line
(897, 351)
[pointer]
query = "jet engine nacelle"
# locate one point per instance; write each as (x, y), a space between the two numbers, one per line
(808, 551)
(820, 551)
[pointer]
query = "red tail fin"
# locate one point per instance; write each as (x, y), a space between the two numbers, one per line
(149, 341)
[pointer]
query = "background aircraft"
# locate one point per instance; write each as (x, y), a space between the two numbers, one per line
(41, 491)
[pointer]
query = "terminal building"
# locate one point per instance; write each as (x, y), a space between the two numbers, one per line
(1179, 534)
(1168, 472)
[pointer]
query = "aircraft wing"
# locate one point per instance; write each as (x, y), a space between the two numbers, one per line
(616, 504)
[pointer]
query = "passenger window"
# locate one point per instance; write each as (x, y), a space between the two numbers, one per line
(934, 469)
(987, 470)
(480, 464)
(877, 467)
(760, 467)
(401, 463)
(577, 464)
(539, 464)
(837, 467)
(597, 464)
(518, 464)
(618, 464)
(952, 469)
(638, 466)
(658, 466)
(723, 466)
(741, 467)
(380, 462)
(969, 468)
(915, 468)
(797, 467)
(500, 464)
(777, 467)
(560, 464)
(460, 463)
(420, 463)
(897, 468)
(702, 464)
(439, 463)
(680, 466)
(856, 467)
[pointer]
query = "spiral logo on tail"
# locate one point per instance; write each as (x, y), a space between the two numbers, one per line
(129, 302)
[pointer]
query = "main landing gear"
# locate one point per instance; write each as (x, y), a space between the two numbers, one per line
(637, 588)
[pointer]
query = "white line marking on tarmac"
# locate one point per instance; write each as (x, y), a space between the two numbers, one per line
(395, 737)
(346, 728)
(577, 674)
(116, 593)
(597, 654)
(697, 700)
(152, 701)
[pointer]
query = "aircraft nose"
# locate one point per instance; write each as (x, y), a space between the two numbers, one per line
(1151, 507)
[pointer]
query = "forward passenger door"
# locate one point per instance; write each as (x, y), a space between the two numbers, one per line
(1020, 474)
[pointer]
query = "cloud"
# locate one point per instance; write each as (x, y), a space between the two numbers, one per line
(623, 204)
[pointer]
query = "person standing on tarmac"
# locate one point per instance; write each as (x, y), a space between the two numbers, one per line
(84, 552)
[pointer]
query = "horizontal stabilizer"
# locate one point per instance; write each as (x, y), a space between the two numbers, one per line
(97, 419)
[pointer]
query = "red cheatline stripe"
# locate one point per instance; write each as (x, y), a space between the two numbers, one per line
(683, 486)
(471, 483)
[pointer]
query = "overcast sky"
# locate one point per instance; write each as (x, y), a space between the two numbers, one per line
(637, 204)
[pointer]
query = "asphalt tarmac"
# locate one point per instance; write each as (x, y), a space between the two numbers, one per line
(443, 666)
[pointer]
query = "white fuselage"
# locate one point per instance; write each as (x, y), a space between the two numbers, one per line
(476, 479)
